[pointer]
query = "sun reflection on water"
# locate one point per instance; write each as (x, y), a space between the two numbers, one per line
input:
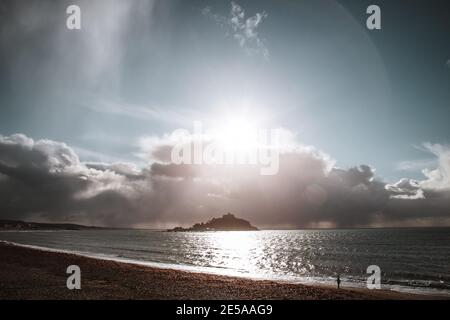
(235, 250)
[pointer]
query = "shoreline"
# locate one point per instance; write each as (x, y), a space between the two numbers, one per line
(33, 273)
(433, 293)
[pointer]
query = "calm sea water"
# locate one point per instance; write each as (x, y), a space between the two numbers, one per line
(410, 259)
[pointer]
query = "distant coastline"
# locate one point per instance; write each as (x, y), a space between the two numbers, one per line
(17, 225)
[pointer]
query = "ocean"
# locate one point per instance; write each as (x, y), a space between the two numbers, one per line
(411, 260)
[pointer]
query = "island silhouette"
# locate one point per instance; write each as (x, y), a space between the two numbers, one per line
(228, 222)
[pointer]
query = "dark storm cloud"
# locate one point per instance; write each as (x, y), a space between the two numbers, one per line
(45, 180)
(173, 170)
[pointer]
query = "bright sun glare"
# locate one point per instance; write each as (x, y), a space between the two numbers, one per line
(237, 134)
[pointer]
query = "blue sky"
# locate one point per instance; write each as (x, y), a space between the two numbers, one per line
(362, 96)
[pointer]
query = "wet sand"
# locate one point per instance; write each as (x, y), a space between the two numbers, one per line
(35, 274)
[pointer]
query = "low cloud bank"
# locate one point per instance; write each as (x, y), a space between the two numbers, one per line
(45, 180)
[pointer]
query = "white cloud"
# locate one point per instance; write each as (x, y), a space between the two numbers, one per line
(415, 165)
(88, 155)
(405, 189)
(438, 179)
(244, 30)
(135, 111)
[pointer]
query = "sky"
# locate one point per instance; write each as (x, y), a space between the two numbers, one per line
(87, 116)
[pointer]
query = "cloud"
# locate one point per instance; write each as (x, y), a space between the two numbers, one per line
(427, 198)
(405, 189)
(99, 46)
(20, 151)
(128, 170)
(415, 165)
(138, 112)
(243, 30)
(95, 156)
(45, 180)
(438, 180)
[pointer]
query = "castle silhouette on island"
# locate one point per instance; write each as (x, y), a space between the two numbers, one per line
(228, 222)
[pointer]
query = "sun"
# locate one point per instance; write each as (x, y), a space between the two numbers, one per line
(235, 134)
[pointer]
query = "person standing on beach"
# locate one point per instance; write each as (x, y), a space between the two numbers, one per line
(338, 280)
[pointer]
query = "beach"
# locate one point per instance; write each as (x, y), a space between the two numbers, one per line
(27, 273)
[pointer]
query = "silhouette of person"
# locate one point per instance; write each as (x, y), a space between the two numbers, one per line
(338, 280)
